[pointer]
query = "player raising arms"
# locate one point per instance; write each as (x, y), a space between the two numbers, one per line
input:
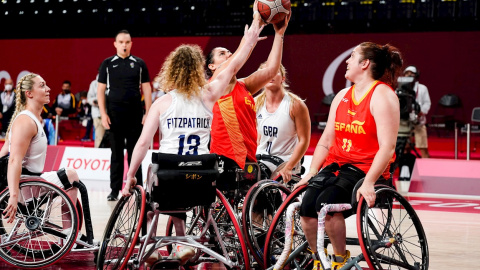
(192, 98)
(234, 129)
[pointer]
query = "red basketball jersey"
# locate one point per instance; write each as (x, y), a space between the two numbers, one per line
(234, 126)
(356, 133)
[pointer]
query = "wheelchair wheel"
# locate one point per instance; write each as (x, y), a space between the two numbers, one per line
(261, 204)
(275, 239)
(391, 235)
(230, 233)
(122, 231)
(38, 237)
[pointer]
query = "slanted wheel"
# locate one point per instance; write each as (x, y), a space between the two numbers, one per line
(230, 233)
(275, 239)
(391, 235)
(45, 227)
(261, 203)
(122, 231)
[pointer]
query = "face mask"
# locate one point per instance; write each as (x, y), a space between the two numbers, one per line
(8, 87)
(67, 91)
(84, 101)
(156, 85)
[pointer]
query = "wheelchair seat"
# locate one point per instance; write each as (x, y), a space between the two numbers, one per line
(184, 181)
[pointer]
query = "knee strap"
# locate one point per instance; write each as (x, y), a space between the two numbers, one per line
(62, 175)
(86, 210)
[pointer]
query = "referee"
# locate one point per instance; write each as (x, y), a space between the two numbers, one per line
(120, 79)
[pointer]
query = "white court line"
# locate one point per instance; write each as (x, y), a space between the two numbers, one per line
(445, 196)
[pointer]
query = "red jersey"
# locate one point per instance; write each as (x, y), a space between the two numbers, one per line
(234, 126)
(356, 139)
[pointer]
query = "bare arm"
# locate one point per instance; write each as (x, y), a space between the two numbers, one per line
(386, 112)
(259, 78)
(147, 96)
(216, 87)
(149, 129)
(301, 118)
(325, 142)
(23, 131)
(101, 99)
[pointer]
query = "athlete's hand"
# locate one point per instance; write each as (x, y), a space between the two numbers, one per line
(367, 190)
(281, 26)
(106, 121)
(131, 182)
(303, 182)
(286, 174)
(11, 209)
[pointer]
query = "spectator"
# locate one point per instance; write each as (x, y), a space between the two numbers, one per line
(97, 120)
(85, 115)
(156, 90)
(65, 103)
(119, 95)
(423, 99)
(7, 99)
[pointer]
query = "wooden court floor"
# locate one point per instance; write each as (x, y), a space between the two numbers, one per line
(452, 225)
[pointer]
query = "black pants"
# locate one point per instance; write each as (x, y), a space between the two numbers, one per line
(125, 129)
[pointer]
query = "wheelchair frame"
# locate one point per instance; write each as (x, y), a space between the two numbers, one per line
(385, 247)
(209, 243)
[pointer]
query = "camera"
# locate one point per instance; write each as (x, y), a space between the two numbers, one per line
(409, 108)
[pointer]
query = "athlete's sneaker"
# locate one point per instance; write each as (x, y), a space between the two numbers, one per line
(181, 253)
(154, 257)
(338, 261)
(316, 263)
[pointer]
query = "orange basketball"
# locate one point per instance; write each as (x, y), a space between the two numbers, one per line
(273, 11)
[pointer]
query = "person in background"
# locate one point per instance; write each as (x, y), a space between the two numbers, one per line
(157, 92)
(85, 115)
(7, 105)
(120, 81)
(97, 120)
(423, 99)
(65, 103)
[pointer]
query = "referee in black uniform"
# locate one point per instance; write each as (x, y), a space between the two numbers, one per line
(119, 99)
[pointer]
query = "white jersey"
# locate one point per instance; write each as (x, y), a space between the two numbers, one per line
(34, 160)
(185, 126)
(278, 134)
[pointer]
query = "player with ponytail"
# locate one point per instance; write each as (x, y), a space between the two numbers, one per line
(358, 143)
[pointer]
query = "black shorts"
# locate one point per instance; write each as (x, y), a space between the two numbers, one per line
(333, 189)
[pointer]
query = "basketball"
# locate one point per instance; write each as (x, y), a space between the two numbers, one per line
(273, 11)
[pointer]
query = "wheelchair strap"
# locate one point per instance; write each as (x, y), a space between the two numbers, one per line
(62, 175)
(86, 210)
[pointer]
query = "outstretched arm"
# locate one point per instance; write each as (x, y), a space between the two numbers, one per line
(216, 87)
(261, 77)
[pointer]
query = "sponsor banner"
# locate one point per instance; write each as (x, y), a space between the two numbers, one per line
(90, 163)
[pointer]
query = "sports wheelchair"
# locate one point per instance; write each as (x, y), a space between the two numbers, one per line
(46, 224)
(175, 184)
(254, 202)
(390, 234)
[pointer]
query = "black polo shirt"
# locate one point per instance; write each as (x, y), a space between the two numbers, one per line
(123, 78)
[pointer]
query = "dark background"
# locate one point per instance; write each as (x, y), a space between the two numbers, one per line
(442, 38)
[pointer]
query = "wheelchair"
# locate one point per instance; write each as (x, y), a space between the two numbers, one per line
(390, 234)
(175, 185)
(40, 234)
